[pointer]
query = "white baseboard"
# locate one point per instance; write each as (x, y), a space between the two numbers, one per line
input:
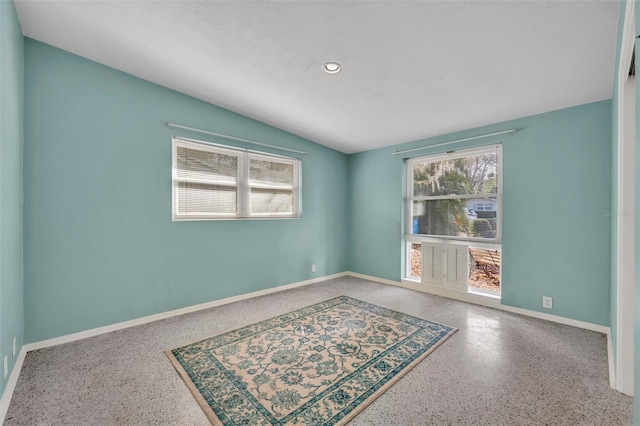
(491, 302)
(612, 367)
(376, 279)
(495, 303)
(163, 315)
(11, 385)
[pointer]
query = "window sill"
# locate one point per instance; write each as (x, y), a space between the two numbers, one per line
(485, 294)
(477, 297)
(474, 242)
(216, 219)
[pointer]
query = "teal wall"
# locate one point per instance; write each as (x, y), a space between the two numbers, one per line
(100, 246)
(11, 98)
(557, 186)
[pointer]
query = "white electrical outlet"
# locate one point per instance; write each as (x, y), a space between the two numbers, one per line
(547, 302)
(313, 267)
(6, 365)
(14, 347)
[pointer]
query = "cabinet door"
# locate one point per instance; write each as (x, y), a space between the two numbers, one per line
(433, 263)
(457, 275)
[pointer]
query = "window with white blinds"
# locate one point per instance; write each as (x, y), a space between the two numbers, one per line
(213, 182)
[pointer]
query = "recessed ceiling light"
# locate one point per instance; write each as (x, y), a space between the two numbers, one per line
(332, 68)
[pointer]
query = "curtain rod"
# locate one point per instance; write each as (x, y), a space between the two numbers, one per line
(504, 132)
(233, 138)
(230, 148)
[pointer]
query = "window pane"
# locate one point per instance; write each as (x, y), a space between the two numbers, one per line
(415, 261)
(470, 175)
(206, 166)
(271, 173)
(196, 199)
(452, 218)
(484, 269)
(225, 183)
(271, 201)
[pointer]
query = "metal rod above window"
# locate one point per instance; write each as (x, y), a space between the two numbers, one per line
(228, 147)
(233, 138)
(504, 132)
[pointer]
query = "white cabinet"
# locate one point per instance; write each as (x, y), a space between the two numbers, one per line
(445, 264)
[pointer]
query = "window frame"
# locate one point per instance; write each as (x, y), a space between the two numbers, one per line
(243, 185)
(452, 155)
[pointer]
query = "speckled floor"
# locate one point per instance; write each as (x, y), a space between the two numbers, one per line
(498, 369)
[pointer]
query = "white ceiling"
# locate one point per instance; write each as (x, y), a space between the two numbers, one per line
(410, 69)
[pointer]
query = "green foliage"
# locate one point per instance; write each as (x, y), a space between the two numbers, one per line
(439, 178)
(481, 228)
(443, 217)
(469, 175)
(462, 176)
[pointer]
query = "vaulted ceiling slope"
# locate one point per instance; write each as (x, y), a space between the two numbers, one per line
(411, 70)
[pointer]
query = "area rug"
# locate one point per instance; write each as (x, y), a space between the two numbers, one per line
(319, 365)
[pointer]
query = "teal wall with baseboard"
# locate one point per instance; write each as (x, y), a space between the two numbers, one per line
(11, 143)
(100, 245)
(557, 189)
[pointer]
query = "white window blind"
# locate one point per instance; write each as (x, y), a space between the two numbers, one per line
(271, 183)
(213, 182)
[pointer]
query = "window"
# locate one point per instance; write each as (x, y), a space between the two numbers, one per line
(453, 220)
(445, 192)
(219, 182)
(485, 206)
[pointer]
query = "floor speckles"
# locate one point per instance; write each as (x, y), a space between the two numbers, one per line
(498, 369)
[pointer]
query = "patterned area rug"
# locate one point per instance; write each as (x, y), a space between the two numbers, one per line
(319, 365)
